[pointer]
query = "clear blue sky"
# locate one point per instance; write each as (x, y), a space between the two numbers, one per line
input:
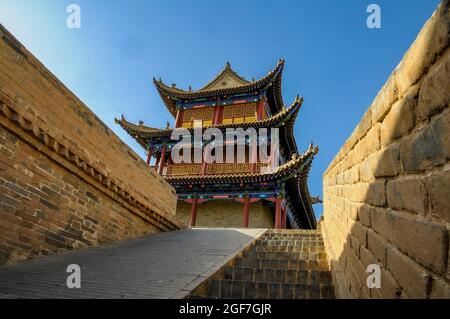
(332, 59)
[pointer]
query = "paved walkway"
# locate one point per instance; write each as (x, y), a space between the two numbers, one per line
(166, 265)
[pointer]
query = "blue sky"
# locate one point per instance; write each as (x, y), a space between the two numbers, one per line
(332, 59)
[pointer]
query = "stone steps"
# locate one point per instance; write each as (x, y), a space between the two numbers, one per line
(288, 249)
(286, 255)
(282, 264)
(312, 276)
(239, 289)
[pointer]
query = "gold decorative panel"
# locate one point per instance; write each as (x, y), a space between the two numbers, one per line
(250, 109)
(208, 114)
(184, 169)
(228, 111)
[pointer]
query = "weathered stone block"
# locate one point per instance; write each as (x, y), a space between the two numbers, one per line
(377, 245)
(434, 92)
(414, 237)
(390, 289)
(438, 188)
(440, 289)
(387, 162)
(411, 277)
(376, 193)
(384, 100)
(430, 42)
(407, 194)
(360, 232)
(364, 212)
(399, 121)
(429, 147)
(366, 169)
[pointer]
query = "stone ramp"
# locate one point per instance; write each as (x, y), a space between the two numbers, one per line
(282, 264)
(166, 265)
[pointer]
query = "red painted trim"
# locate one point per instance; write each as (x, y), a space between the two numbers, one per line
(278, 214)
(246, 214)
(242, 200)
(199, 201)
(271, 199)
(193, 213)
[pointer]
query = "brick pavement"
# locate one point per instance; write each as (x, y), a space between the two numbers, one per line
(165, 265)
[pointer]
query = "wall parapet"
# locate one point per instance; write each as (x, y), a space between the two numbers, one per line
(386, 191)
(66, 180)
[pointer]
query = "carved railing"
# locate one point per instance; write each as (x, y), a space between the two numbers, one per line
(211, 169)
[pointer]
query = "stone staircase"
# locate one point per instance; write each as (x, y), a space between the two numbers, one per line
(281, 264)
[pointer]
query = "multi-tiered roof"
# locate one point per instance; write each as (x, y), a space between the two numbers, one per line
(229, 88)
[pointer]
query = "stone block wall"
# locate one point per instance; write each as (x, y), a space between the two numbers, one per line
(66, 180)
(387, 192)
(227, 214)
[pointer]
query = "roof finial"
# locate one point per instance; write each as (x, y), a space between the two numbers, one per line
(174, 85)
(123, 117)
(190, 88)
(228, 65)
(141, 122)
(167, 125)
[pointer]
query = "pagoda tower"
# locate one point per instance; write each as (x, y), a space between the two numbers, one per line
(251, 193)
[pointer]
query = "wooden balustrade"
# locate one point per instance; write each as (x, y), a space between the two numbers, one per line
(212, 169)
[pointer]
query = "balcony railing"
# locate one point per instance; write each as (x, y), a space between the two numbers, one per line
(211, 169)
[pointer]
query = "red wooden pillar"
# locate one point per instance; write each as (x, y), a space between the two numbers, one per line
(219, 114)
(260, 110)
(278, 213)
(216, 115)
(179, 119)
(149, 156)
(193, 212)
(162, 160)
(246, 215)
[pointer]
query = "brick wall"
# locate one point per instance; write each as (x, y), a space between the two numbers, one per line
(387, 192)
(66, 180)
(226, 213)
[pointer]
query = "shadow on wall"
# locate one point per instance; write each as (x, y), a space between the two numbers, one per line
(386, 192)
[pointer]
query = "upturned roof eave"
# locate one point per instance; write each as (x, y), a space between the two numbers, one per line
(287, 115)
(283, 172)
(272, 81)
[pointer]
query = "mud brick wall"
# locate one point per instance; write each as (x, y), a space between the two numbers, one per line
(66, 180)
(387, 192)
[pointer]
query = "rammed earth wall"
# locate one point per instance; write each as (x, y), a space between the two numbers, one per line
(387, 192)
(66, 180)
